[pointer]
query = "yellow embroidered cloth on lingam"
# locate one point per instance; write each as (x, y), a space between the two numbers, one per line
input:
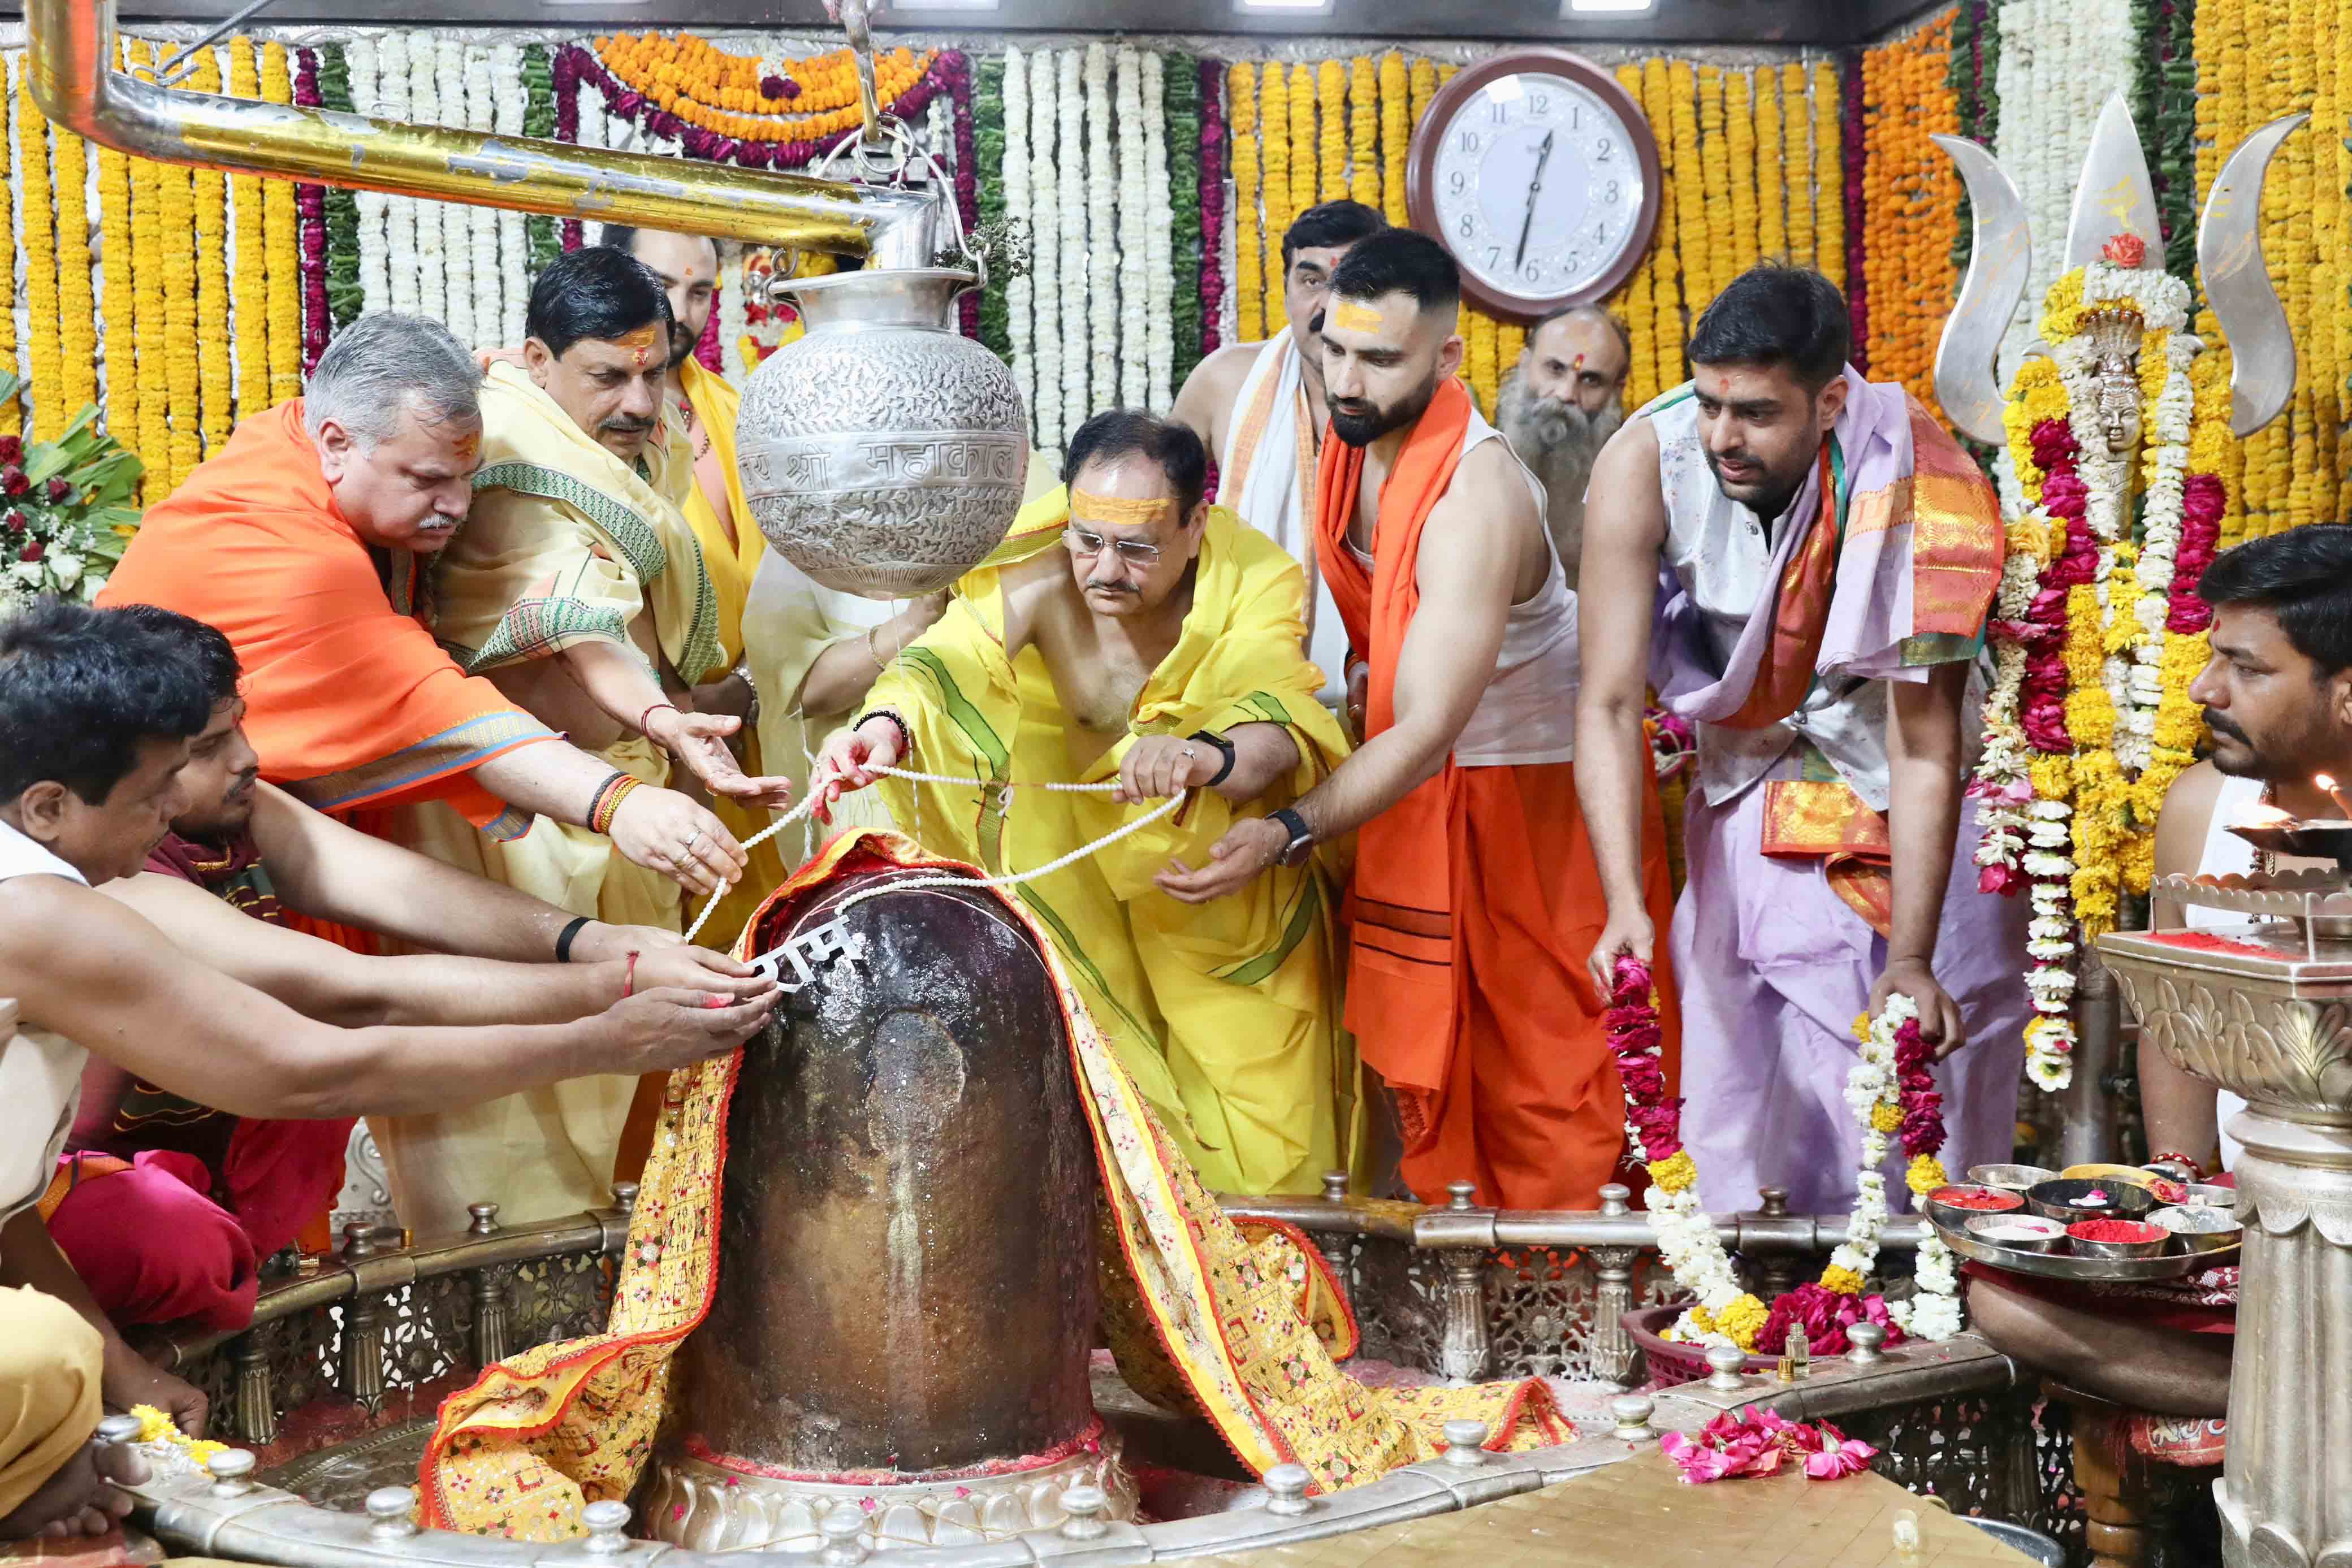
(1234, 1316)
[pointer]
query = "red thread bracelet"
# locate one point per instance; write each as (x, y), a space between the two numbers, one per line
(652, 708)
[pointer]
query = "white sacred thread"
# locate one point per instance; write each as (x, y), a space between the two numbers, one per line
(1010, 878)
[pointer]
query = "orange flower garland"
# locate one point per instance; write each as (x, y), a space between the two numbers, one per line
(720, 92)
(1912, 199)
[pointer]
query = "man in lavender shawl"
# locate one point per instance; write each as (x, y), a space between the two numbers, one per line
(1801, 562)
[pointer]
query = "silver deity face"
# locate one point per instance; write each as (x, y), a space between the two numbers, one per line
(2119, 403)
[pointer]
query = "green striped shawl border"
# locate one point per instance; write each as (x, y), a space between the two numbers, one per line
(1306, 910)
(538, 627)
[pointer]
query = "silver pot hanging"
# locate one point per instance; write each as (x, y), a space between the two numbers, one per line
(883, 451)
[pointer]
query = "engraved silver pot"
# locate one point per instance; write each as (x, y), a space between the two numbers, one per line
(883, 451)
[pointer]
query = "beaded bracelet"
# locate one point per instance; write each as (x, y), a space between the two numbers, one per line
(2196, 1170)
(607, 803)
(906, 737)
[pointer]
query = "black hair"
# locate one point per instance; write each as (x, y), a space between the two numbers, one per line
(81, 688)
(1116, 432)
(1398, 261)
(1776, 314)
(2304, 577)
(596, 293)
(1327, 223)
(203, 647)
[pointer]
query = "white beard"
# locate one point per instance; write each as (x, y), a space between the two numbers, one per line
(1558, 441)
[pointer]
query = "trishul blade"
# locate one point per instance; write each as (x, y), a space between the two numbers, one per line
(2000, 255)
(2115, 196)
(2238, 282)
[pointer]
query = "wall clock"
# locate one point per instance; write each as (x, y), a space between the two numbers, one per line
(1539, 173)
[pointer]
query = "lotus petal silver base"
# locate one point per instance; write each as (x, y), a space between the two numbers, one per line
(704, 1507)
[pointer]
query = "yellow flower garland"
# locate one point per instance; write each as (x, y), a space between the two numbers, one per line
(1636, 307)
(77, 308)
(1363, 132)
(1797, 161)
(116, 302)
(1740, 159)
(1771, 177)
(214, 332)
(1478, 363)
(1829, 176)
(1510, 342)
(1331, 140)
(1425, 88)
(1665, 325)
(184, 378)
(1693, 213)
(1714, 171)
(1274, 149)
(249, 290)
(1301, 110)
(11, 410)
(149, 313)
(1396, 131)
(1249, 259)
(40, 264)
(277, 220)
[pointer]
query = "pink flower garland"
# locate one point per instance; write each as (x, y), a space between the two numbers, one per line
(2202, 501)
(1857, 293)
(2041, 695)
(1633, 1032)
(1921, 1102)
(310, 217)
(1757, 1442)
(1213, 203)
(957, 68)
(564, 72)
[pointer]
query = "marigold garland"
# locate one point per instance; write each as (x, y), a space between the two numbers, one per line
(77, 308)
(40, 251)
(249, 286)
(1636, 307)
(11, 410)
(1479, 364)
(1665, 263)
(1396, 129)
(175, 214)
(1249, 255)
(1771, 177)
(1331, 139)
(1911, 196)
(1739, 158)
(1423, 83)
(1797, 136)
(151, 314)
(209, 190)
(117, 293)
(1363, 132)
(1715, 172)
(278, 224)
(1275, 149)
(1694, 214)
(725, 95)
(1829, 174)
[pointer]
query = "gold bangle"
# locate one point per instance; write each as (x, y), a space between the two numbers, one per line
(872, 653)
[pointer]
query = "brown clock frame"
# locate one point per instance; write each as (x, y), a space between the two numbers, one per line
(1421, 173)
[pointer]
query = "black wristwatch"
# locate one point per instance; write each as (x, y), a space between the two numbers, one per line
(1302, 837)
(1222, 744)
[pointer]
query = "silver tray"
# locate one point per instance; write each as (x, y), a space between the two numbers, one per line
(2104, 1271)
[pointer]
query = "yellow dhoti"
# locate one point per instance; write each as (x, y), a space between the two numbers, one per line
(49, 1366)
(542, 1434)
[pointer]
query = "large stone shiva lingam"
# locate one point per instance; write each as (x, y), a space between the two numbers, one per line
(906, 1293)
(2265, 1012)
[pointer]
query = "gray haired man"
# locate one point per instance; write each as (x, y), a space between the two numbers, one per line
(308, 539)
(1559, 407)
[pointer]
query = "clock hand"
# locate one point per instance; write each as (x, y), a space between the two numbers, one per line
(1543, 155)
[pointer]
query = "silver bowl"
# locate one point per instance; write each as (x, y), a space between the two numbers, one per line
(1983, 1228)
(2213, 1196)
(2062, 1200)
(1955, 1216)
(2011, 1178)
(2199, 1228)
(2082, 1246)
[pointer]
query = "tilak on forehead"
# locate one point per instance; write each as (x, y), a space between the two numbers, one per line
(1353, 316)
(640, 342)
(1119, 509)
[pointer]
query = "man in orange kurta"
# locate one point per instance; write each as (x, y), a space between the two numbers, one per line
(308, 539)
(1476, 899)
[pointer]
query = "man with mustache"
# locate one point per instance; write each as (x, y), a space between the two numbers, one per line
(1259, 407)
(2277, 696)
(579, 591)
(1559, 406)
(1128, 629)
(165, 1206)
(1476, 896)
(1830, 557)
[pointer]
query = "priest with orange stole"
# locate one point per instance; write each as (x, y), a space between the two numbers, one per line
(1819, 556)
(1475, 896)
(310, 539)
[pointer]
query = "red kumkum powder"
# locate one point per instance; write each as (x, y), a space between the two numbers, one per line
(1988, 1202)
(2116, 1230)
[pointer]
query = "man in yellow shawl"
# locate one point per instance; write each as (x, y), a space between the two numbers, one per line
(1131, 631)
(578, 589)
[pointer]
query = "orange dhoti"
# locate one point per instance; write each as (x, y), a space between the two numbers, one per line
(1525, 1101)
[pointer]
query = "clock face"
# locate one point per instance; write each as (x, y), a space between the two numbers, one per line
(1540, 183)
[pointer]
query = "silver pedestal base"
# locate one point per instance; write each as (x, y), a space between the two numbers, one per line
(705, 1507)
(2285, 1493)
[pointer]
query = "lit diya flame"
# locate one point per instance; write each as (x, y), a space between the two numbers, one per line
(2326, 782)
(2261, 814)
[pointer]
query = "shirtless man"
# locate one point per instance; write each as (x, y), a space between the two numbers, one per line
(101, 719)
(1261, 408)
(1152, 638)
(1476, 896)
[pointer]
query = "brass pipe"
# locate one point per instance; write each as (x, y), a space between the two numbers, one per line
(69, 53)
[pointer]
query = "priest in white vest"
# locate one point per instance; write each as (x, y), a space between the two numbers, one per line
(1259, 408)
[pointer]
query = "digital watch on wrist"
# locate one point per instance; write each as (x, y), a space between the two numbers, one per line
(1302, 837)
(1222, 744)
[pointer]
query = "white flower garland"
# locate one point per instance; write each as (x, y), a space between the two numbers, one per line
(1019, 292)
(1046, 235)
(360, 60)
(456, 218)
(1104, 269)
(513, 231)
(432, 254)
(1078, 346)
(592, 117)
(733, 306)
(482, 223)
(1134, 312)
(400, 225)
(1159, 259)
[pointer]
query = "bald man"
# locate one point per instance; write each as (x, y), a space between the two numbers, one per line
(1560, 405)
